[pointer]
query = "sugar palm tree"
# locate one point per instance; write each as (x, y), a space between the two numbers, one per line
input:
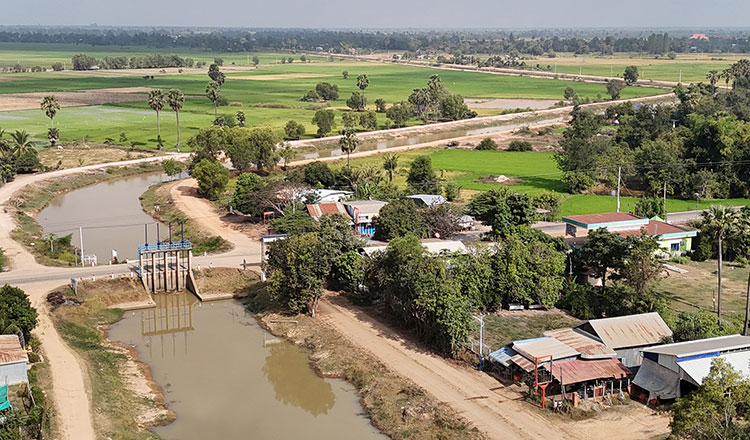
(20, 142)
(390, 163)
(743, 229)
(721, 221)
(176, 99)
(362, 83)
(50, 106)
(348, 143)
(213, 93)
(156, 102)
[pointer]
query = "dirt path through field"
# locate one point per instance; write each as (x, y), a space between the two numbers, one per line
(485, 402)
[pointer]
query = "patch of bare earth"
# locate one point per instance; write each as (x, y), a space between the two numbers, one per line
(82, 154)
(75, 98)
(535, 104)
(278, 76)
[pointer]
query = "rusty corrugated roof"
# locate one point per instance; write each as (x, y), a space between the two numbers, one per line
(629, 331)
(569, 372)
(523, 362)
(606, 217)
(588, 347)
(11, 350)
(317, 210)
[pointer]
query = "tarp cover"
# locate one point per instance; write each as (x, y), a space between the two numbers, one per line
(503, 356)
(659, 381)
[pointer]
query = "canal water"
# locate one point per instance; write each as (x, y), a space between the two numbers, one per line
(110, 214)
(227, 378)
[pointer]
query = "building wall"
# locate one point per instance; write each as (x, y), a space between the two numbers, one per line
(14, 373)
(684, 243)
(630, 357)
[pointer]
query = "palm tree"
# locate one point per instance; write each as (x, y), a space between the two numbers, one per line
(51, 238)
(721, 221)
(362, 83)
(156, 102)
(50, 106)
(213, 93)
(348, 143)
(390, 163)
(176, 99)
(21, 142)
(744, 230)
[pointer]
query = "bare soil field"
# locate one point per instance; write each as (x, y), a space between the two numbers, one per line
(536, 104)
(82, 154)
(278, 76)
(30, 101)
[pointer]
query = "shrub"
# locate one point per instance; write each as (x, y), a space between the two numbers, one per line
(452, 191)
(294, 130)
(487, 144)
(520, 146)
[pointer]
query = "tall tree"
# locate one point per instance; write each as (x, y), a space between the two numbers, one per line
(422, 177)
(176, 99)
(721, 221)
(156, 102)
(256, 61)
(390, 164)
(603, 251)
(216, 75)
(213, 93)
(744, 229)
(348, 143)
(50, 106)
(362, 83)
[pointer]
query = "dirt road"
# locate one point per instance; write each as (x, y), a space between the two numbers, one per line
(485, 402)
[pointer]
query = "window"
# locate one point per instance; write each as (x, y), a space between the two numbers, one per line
(674, 247)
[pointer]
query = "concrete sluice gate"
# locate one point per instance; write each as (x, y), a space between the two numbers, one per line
(166, 267)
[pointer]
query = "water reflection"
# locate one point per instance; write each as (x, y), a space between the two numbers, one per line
(305, 390)
(171, 317)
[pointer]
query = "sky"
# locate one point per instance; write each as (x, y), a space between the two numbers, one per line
(382, 13)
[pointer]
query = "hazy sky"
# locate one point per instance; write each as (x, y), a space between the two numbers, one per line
(381, 13)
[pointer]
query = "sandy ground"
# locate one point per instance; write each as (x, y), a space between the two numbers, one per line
(273, 77)
(536, 104)
(489, 405)
(30, 101)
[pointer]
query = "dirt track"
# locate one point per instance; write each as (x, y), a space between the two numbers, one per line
(485, 402)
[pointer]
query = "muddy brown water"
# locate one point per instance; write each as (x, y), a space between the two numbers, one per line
(110, 214)
(227, 378)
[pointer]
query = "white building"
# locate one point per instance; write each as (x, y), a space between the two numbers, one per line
(13, 361)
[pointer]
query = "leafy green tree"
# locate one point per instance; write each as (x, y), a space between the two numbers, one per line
(345, 74)
(390, 164)
(250, 146)
(212, 178)
(156, 102)
(614, 88)
(16, 311)
(294, 130)
(318, 173)
(175, 100)
(569, 93)
(630, 75)
(400, 113)
(368, 120)
(422, 178)
(721, 221)
(501, 210)
(487, 144)
(348, 142)
(287, 154)
(649, 207)
(53, 134)
(244, 199)
(172, 167)
(213, 93)
(640, 271)
(519, 145)
(296, 222)
(324, 120)
(453, 107)
(398, 219)
(718, 409)
(355, 102)
(50, 106)
(241, 118)
(602, 252)
(349, 119)
(27, 161)
(256, 61)
(700, 324)
(327, 91)
(348, 270)
(297, 267)
(442, 220)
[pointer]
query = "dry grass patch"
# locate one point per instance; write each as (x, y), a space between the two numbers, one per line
(238, 282)
(278, 76)
(76, 98)
(82, 154)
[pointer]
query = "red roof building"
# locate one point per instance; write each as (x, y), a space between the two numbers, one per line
(702, 37)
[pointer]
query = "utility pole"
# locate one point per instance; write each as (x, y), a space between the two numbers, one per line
(80, 235)
(480, 318)
(619, 169)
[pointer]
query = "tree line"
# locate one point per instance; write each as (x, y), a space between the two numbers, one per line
(86, 62)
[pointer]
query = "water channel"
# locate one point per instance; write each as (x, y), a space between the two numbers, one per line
(226, 378)
(110, 214)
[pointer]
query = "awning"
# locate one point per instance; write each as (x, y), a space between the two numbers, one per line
(660, 382)
(698, 368)
(503, 356)
(523, 362)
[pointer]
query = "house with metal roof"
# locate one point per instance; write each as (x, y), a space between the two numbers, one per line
(627, 335)
(324, 195)
(673, 370)
(427, 200)
(317, 210)
(363, 212)
(672, 239)
(13, 361)
(431, 245)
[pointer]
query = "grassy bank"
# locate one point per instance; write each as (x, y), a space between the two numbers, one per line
(395, 405)
(33, 198)
(158, 203)
(118, 412)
